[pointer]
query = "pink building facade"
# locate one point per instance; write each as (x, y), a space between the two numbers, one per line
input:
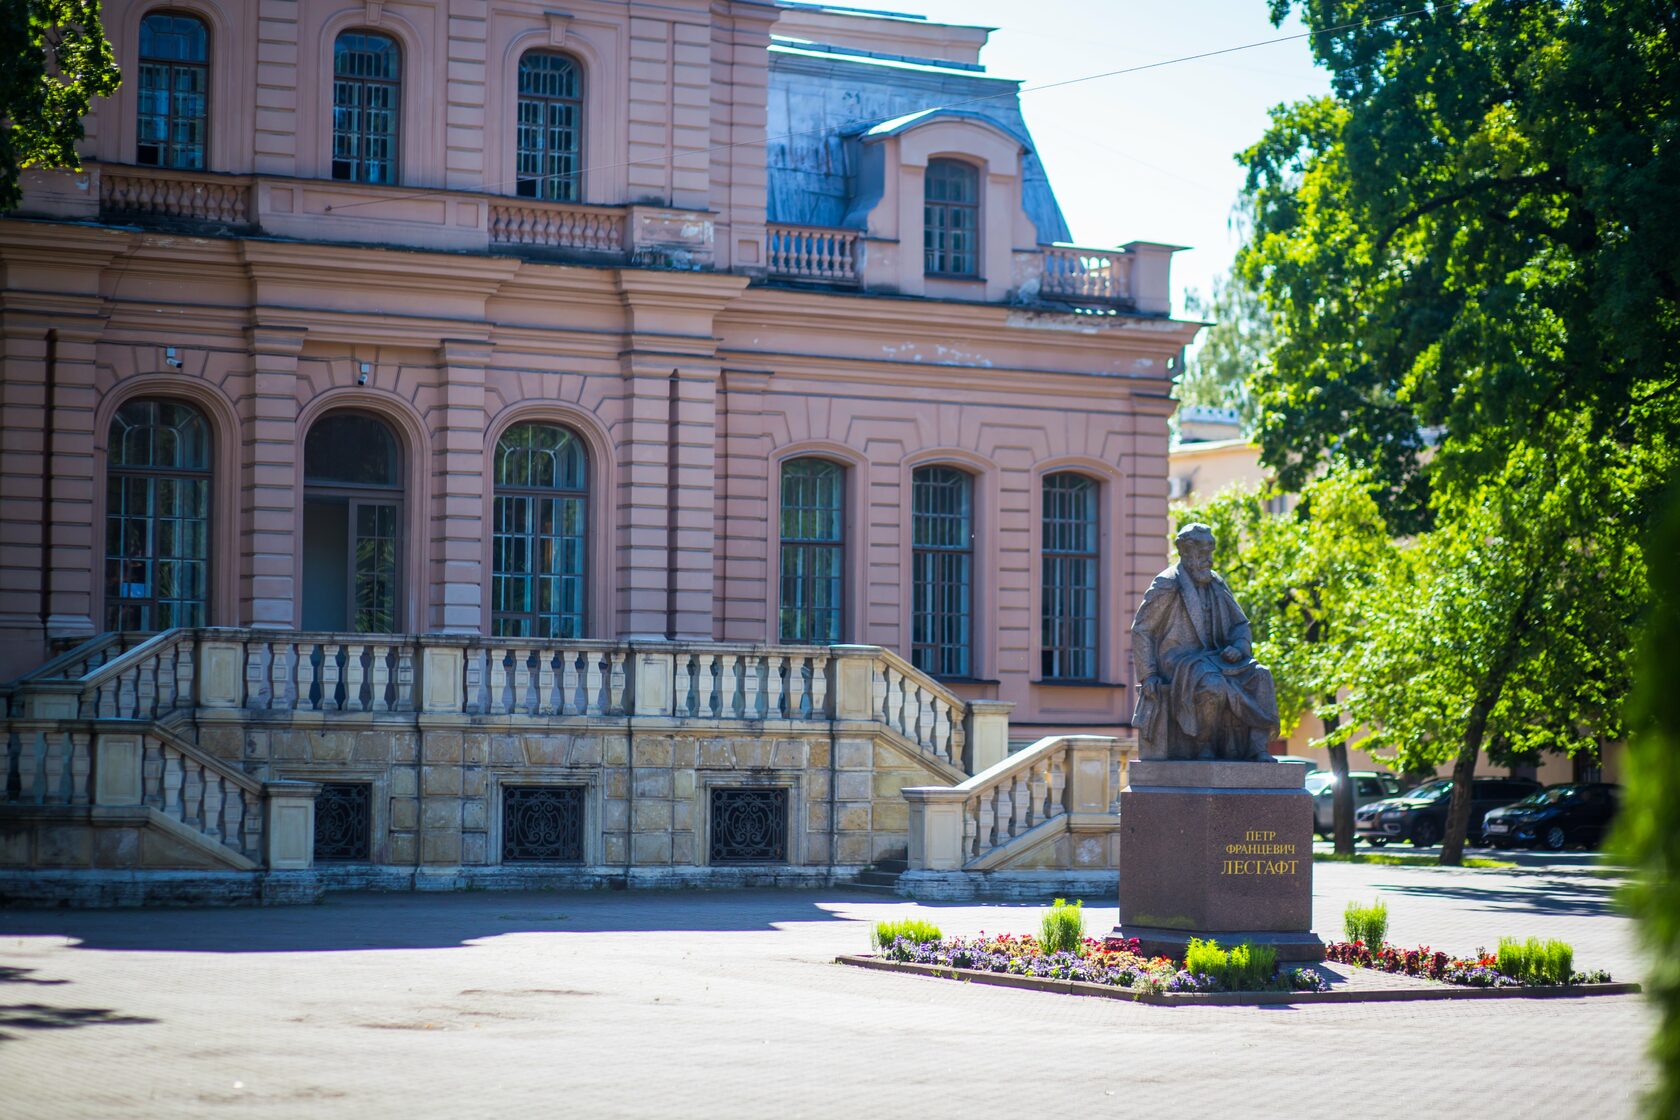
(705, 322)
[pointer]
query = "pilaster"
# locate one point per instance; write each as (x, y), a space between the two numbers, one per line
(459, 465)
(270, 502)
(72, 354)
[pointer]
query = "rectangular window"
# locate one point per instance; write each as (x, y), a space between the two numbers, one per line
(1068, 577)
(951, 219)
(174, 91)
(942, 571)
(366, 92)
(812, 551)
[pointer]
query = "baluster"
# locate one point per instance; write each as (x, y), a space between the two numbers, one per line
(105, 700)
(192, 794)
(878, 690)
(14, 784)
(682, 685)
(1003, 814)
(498, 682)
(519, 681)
(957, 739)
(250, 828)
(330, 676)
(474, 677)
(355, 677)
(163, 673)
(984, 841)
(752, 686)
(819, 687)
(1058, 786)
(256, 675)
(617, 681)
(36, 789)
(232, 806)
(971, 830)
(1021, 797)
(592, 684)
(78, 745)
(151, 772)
(729, 687)
(55, 770)
(775, 699)
(905, 708)
(403, 688)
(173, 780)
(379, 678)
(280, 676)
(128, 694)
(547, 702)
(1038, 794)
(571, 702)
(308, 657)
(212, 814)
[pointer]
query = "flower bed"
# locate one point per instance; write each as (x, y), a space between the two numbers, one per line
(1479, 971)
(1115, 963)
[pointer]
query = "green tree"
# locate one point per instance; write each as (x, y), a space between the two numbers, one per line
(1648, 835)
(1237, 344)
(1508, 627)
(1301, 577)
(1477, 229)
(54, 60)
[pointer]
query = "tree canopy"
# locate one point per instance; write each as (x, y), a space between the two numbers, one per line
(54, 60)
(1230, 351)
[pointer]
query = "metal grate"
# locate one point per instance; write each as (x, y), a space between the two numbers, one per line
(749, 825)
(542, 824)
(343, 821)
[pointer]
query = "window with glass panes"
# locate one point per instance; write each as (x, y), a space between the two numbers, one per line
(1068, 577)
(174, 83)
(157, 517)
(367, 87)
(951, 218)
(550, 127)
(537, 571)
(942, 570)
(813, 546)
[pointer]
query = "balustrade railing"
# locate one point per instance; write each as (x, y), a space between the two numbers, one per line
(813, 253)
(327, 673)
(1088, 275)
(176, 194)
(557, 225)
(585, 679)
(908, 702)
(752, 684)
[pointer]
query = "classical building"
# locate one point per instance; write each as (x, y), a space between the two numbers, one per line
(426, 401)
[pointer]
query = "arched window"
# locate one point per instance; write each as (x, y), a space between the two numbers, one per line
(1068, 577)
(367, 91)
(550, 127)
(537, 562)
(352, 524)
(174, 91)
(951, 219)
(942, 570)
(157, 517)
(813, 539)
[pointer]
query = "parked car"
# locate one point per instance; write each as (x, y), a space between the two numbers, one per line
(1367, 819)
(1555, 817)
(1421, 816)
(1312, 767)
(1368, 786)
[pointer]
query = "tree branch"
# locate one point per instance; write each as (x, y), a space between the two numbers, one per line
(1480, 185)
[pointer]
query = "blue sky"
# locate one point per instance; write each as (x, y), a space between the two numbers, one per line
(1144, 156)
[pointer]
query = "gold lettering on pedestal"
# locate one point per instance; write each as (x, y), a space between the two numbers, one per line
(1262, 843)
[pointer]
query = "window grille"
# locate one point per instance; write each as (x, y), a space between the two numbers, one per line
(539, 532)
(951, 218)
(812, 550)
(157, 517)
(542, 824)
(550, 127)
(367, 90)
(749, 825)
(942, 564)
(1069, 578)
(343, 822)
(174, 91)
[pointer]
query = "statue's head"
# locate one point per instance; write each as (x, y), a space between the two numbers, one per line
(1195, 552)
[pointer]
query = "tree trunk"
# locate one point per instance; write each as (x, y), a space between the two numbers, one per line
(1464, 773)
(1342, 803)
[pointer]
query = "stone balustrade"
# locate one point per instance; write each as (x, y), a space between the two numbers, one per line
(813, 253)
(558, 225)
(1058, 787)
(1086, 275)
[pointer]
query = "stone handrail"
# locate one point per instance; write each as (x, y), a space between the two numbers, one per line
(1094, 275)
(916, 707)
(117, 676)
(118, 764)
(305, 672)
(558, 225)
(813, 253)
(169, 193)
(973, 824)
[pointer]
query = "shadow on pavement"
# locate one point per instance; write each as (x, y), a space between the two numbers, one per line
(38, 1016)
(1540, 896)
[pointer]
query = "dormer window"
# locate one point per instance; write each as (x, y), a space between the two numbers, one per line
(951, 219)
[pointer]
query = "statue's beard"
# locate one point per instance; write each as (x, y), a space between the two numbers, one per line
(1202, 576)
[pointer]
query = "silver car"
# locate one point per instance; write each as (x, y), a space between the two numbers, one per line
(1368, 786)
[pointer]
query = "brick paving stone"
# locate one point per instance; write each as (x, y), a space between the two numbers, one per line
(728, 1004)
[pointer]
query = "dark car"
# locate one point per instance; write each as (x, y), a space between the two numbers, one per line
(1421, 816)
(1367, 818)
(1555, 817)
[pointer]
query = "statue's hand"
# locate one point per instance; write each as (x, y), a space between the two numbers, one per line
(1232, 654)
(1154, 686)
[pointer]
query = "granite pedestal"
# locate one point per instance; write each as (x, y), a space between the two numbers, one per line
(1219, 850)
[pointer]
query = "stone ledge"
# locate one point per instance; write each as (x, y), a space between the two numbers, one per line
(92, 889)
(1174, 773)
(1227, 999)
(1007, 886)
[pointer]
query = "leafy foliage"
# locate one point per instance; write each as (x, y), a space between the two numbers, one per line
(53, 61)
(914, 930)
(1366, 923)
(1062, 929)
(1648, 832)
(1230, 351)
(1536, 962)
(1242, 968)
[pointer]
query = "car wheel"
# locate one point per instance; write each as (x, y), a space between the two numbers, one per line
(1378, 841)
(1556, 838)
(1425, 833)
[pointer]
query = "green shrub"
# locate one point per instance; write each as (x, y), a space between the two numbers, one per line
(1536, 962)
(912, 928)
(1063, 928)
(1366, 923)
(1243, 968)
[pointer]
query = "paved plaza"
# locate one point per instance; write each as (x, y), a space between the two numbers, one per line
(728, 1004)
